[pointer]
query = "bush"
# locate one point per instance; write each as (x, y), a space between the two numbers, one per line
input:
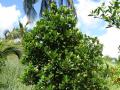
(60, 57)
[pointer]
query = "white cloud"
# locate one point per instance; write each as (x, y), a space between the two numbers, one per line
(110, 39)
(83, 8)
(111, 42)
(8, 17)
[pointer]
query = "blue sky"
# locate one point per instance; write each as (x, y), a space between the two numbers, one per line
(12, 10)
(82, 25)
(19, 4)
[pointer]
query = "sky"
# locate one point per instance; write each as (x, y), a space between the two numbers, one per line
(11, 11)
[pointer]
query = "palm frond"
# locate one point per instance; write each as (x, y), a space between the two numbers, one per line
(44, 6)
(71, 5)
(50, 1)
(29, 9)
(20, 25)
(21, 28)
(11, 50)
(60, 2)
(34, 1)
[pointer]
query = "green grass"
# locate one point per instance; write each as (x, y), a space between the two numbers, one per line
(115, 87)
(10, 75)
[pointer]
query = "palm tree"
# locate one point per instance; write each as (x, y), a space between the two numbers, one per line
(45, 4)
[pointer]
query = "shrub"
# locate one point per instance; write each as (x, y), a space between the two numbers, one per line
(59, 56)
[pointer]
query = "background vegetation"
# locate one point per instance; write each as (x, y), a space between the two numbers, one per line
(55, 54)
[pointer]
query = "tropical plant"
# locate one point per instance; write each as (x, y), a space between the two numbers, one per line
(4, 51)
(16, 33)
(44, 4)
(22, 28)
(110, 13)
(11, 35)
(59, 56)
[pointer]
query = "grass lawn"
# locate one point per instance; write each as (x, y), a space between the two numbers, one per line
(10, 75)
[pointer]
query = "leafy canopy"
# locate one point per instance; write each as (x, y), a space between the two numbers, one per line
(110, 13)
(59, 56)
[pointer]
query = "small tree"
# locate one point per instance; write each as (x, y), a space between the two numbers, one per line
(110, 13)
(59, 56)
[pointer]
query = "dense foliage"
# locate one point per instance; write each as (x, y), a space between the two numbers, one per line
(59, 56)
(110, 13)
